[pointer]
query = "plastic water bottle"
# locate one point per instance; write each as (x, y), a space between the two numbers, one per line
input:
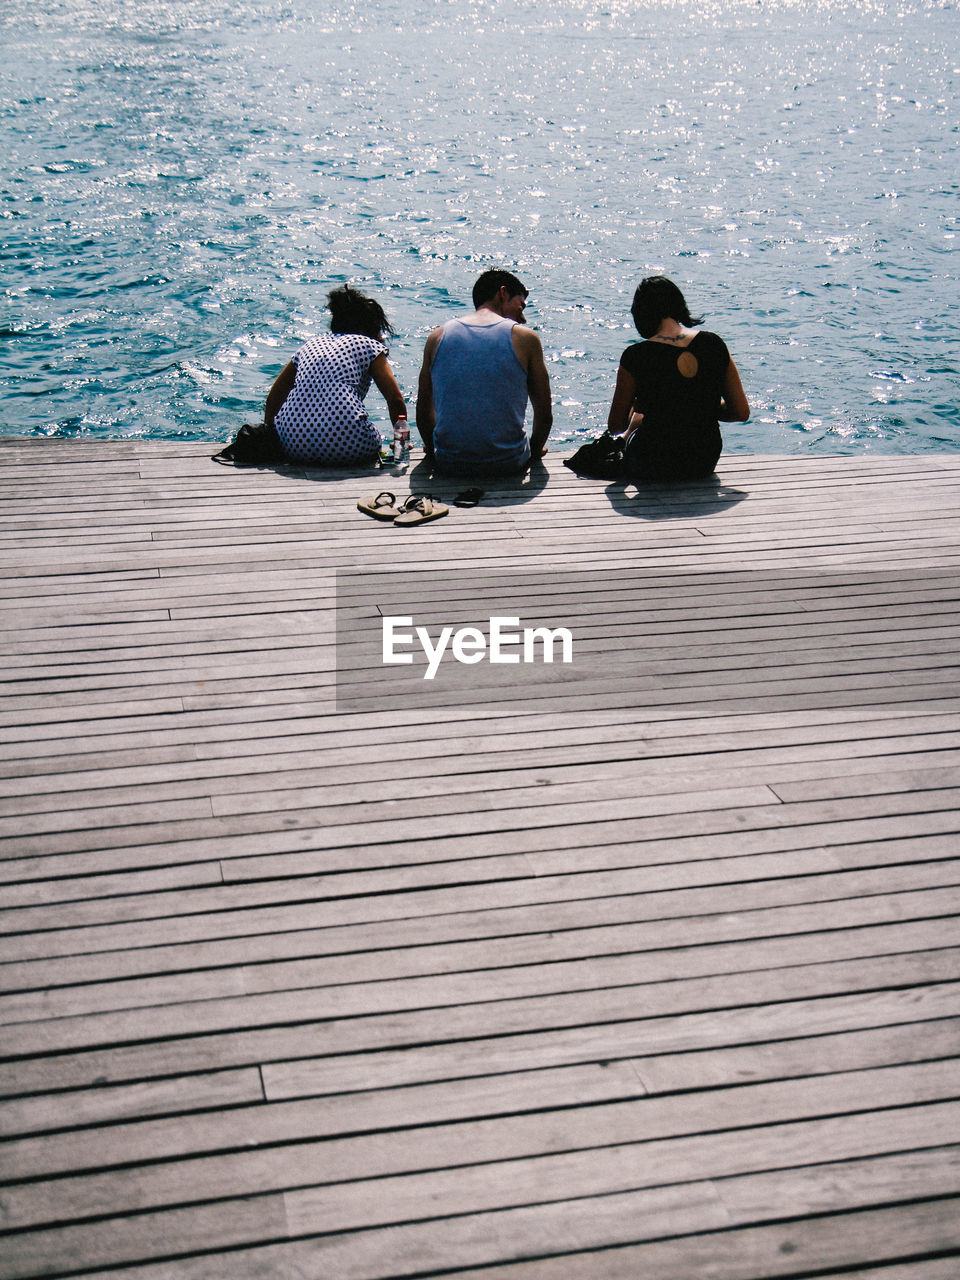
(401, 441)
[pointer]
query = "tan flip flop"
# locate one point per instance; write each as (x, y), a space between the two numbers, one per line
(419, 510)
(382, 506)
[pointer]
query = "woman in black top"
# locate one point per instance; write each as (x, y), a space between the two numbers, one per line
(673, 390)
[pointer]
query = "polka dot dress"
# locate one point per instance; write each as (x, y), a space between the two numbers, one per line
(323, 419)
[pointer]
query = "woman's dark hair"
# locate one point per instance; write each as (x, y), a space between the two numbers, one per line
(353, 312)
(657, 298)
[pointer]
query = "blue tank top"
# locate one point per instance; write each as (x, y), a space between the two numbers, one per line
(480, 397)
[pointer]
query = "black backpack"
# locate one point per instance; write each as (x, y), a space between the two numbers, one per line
(600, 459)
(255, 445)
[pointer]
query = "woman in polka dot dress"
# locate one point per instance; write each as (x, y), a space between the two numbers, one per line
(316, 404)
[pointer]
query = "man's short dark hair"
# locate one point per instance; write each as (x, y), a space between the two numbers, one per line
(490, 284)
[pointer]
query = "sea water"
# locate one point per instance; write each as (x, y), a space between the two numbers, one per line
(183, 181)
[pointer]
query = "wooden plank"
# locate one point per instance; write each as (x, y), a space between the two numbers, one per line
(554, 759)
(656, 964)
(363, 1203)
(170, 767)
(482, 1126)
(443, 1005)
(744, 653)
(808, 777)
(448, 914)
(414, 893)
(690, 1068)
(543, 853)
(555, 1244)
(224, 732)
(103, 1244)
(484, 831)
(895, 1236)
(665, 1073)
(526, 1046)
(343, 949)
(178, 1094)
(510, 551)
(577, 1224)
(242, 589)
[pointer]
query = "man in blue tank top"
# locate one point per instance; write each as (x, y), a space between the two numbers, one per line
(476, 378)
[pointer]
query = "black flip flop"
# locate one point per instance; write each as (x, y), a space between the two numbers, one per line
(469, 498)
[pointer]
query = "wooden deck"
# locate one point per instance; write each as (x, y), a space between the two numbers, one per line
(645, 966)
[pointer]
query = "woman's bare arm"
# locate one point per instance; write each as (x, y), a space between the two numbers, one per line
(623, 398)
(278, 393)
(733, 406)
(388, 387)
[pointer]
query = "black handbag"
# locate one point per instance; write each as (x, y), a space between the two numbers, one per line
(255, 445)
(600, 459)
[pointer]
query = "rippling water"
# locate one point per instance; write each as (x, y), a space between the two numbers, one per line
(184, 181)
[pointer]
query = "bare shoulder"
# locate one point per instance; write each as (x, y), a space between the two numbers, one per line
(529, 339)
(526, 343)
(432, 342)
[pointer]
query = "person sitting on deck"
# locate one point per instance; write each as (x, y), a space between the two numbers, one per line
(316, 403)
(673, 390)
(478, 373)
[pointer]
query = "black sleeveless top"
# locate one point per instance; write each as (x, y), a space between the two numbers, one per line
(678, 391)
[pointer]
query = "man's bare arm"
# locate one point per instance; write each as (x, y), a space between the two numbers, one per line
(426, 413)
(530, 353)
